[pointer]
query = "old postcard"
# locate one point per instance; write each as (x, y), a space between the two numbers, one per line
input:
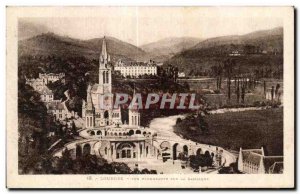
(150, 97)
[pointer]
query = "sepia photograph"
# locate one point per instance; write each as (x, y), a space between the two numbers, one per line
(150, 97)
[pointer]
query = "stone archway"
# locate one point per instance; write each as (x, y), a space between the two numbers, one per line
(125, 150)
(99, 133)
(175, 151)
(147, 151)
(106, 115)
(131, 132)
(199, 152)
(141, 150)
(138, 132)
(206, 153)
(86, 149)
(186, 150)
(78, 151)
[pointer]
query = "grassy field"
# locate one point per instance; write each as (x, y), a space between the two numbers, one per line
(249, 129)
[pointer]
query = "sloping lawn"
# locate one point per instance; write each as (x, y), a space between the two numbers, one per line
(249, 129)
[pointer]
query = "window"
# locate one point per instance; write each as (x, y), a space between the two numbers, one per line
(103, 75)
(107, 77)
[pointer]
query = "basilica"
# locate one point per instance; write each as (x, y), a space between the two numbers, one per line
(93, 110)
(103, 122)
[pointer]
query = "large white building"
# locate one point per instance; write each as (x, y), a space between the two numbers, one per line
(136, 69)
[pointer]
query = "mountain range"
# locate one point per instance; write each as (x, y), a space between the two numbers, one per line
(50, 44)
(260, 49)
(187, 53)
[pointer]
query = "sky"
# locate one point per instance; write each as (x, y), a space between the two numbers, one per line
(143, 25)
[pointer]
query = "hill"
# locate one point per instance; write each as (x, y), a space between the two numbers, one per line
(166, 48)
(27, 29)
(50, 44)
(260, 49)
(265, 39)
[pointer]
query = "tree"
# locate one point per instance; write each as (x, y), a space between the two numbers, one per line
(202, 123)
(217, 71)
(120, 168)
(243, 90)
(265, 88)
(200, 160)
(207, 159)
(228, 65)
(65, 162)
(277, 89)
(73, 128)
(238, 91)
(272, 93)
(178, 120)
(176, 71)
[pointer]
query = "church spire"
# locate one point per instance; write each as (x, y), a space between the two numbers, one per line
(104, 52)
(104, 57)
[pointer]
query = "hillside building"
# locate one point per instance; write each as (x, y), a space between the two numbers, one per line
(51, 77)
(44, 79)
(59, 110)
(46, 94)
(136, 69)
